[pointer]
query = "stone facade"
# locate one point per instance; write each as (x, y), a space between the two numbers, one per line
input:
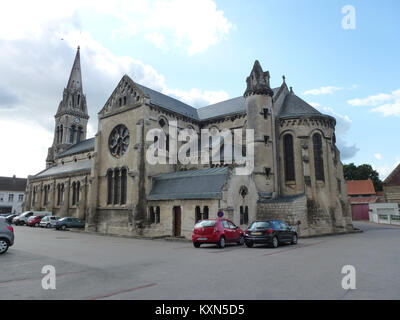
(297, 177)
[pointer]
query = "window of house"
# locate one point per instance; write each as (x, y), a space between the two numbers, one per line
(318, 157)
(152, 215)
(288, 157)
(244, 214)
(117, 186)
(20, 197)
(197, 214)
(125, 100)
(205, 213)
(157, 215)
(123, 186)
(72, 134)
(109, 186)
(73, 193)
(10, 197)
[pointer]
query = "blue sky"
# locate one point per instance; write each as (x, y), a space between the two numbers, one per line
(201, 52)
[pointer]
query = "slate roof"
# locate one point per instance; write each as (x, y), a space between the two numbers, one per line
(72, 167)
(12, 184)
(360, 187)
(85, 145)
(293, 106)
(394, 177)
(191, 184)
(169, 103)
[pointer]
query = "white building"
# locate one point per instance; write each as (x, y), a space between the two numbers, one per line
(12, 191)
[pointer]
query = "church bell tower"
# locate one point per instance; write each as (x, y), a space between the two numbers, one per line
(72, 115)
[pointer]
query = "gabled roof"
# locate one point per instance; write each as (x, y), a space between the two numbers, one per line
(360, 187)
(191, 184)
(85, 145)
(12, 184)
(394, 177)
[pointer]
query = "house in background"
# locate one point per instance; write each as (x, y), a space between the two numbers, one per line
(391, 186)
(361, 193)
(12, 190)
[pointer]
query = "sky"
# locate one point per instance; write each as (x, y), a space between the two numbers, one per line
(342, 57)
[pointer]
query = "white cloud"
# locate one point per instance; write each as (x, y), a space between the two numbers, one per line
(390, 108)
(194, 25)
(378, 156)
(322, 90)
(343, 125)
(35, 71)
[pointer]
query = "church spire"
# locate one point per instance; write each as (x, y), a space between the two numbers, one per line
(75, 78)
(258, 82)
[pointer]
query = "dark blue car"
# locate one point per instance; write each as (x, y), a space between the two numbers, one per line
(69, 222)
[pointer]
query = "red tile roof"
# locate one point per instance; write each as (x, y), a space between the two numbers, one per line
(360, 200)
(360, 187)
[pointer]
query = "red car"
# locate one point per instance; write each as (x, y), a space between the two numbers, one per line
(34, 221)
(218, 231)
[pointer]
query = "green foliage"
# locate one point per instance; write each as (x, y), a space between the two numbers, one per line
(362, 172)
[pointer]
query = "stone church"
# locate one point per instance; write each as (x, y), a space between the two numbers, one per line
(106, 180)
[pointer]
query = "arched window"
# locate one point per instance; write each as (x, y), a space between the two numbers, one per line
(73, 193)
(197, 214)
(78, 187)
(125, 100)
(152, 215)
(61, 133)
(79, 134)
(79, 99)
(109, 186)
(318, 157)
(58, 194)
(58, 134)
(157, 217)
(117, 186)
(120, 101)
(72, 134)
(205, 213)
(123, 186)
(288, 157)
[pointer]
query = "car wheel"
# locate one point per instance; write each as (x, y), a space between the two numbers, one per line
(249, 244)
(36, 224)
(221, 242)
(196, 244)
(294, 239)
(63, 227)
(48, 225)
(3, 246)
(275, 242)
(241, 241)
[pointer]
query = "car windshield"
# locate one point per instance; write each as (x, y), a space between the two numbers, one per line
(206, 224)
(260, 225)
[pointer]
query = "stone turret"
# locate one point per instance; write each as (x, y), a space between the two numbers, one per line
(261, 118)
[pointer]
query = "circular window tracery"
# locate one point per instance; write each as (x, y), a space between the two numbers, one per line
(119, 140)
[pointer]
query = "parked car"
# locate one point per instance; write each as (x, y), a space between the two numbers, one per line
(48, 222)
(218, 231)
(5, 214)
(23, 217)
(10, 217)
(6, 235)
(35, 220)
(69, 222)
(271, 232)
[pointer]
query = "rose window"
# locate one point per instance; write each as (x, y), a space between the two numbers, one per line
(119, 140)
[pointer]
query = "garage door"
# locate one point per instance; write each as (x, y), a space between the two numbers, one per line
(360, 211)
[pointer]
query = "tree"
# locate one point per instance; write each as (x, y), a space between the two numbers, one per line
(362, 172)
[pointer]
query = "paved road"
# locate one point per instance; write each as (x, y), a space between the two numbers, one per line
(100, 267)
